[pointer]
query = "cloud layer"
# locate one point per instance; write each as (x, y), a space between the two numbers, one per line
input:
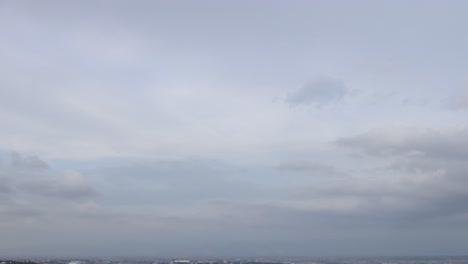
(155, 128)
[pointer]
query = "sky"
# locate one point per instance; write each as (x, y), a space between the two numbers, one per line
(233, 128)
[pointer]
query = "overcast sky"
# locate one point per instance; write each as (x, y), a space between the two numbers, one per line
(222, 128)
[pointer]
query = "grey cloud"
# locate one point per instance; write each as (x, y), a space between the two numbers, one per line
(221, 212)
(16, 210)
(407, 201)
(31, 175)
(420, 196)
(27, 162)
(68, 185)
(308, 167)
(4, 186)
(460, 103)
(428, 171)
(185, 181)
(318, 92)
(410, 142)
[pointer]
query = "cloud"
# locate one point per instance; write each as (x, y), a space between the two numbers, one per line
(319, 92)
(308, 167)
(424, 179)
(4, 186)
(183, 200)
(18, 211)
(460, 103)
(27, 162)
(151, 181)
(31, 175)
(411, 199)
(69, 185)
(407, 198)
(410, 141)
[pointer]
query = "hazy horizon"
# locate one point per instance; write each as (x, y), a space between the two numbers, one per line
(233, 128)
